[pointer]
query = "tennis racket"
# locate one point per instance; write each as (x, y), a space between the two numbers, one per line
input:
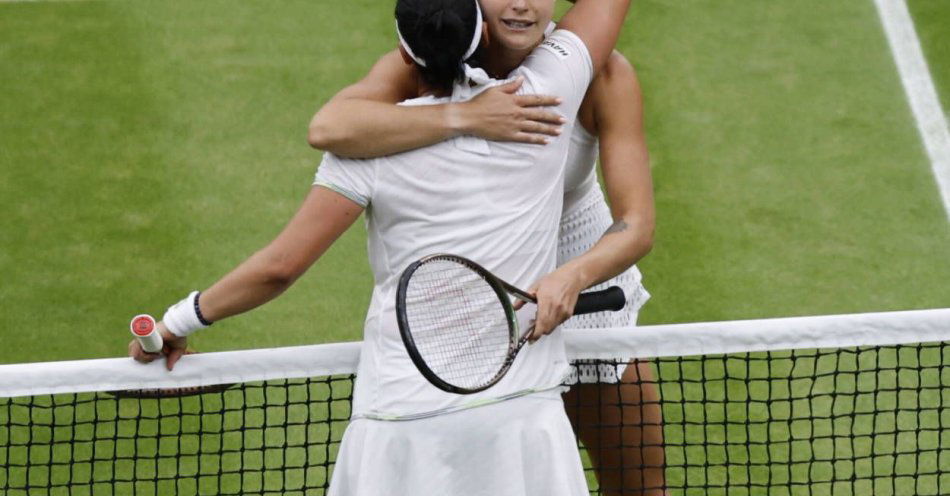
(457, 321)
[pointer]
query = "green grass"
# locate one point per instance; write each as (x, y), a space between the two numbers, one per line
(789, 173)
(929, 20)
(148, 147)
(151, 147)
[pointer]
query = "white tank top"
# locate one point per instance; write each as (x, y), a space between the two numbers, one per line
(580, 174)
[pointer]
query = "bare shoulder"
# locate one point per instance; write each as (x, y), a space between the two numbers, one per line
(614, 88)
(392, 66)
(394, 60)
(618, 74)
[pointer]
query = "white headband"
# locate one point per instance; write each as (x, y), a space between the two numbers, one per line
(476, 38)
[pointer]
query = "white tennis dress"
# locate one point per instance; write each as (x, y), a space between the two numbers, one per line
(498, 204)
(585, 217)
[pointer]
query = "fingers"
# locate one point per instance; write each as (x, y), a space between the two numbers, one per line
(519, 303)
(175, 347)
(531, 139)
(513, 86)
(140, 355)
(540, 326)
(544, 324)
(535, 133)
(551, 313)
(535, 127)
(174, 354)
(538, 100)
(546, 318)
(543, 116)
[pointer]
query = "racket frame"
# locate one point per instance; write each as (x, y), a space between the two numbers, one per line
(502, 290)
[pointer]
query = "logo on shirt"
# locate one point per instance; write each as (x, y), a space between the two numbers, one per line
(556, 48)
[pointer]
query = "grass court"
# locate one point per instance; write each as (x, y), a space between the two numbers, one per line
(147, 147)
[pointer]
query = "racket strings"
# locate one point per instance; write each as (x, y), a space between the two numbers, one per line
(458, 323)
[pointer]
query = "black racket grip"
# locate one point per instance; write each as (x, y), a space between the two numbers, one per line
(610, 299)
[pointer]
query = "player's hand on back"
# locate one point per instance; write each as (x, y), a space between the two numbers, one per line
(498, 114)
(174, 348)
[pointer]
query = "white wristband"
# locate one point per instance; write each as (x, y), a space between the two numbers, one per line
(181, 318)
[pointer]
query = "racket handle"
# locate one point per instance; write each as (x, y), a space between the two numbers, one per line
(143, 328)
(610, 299)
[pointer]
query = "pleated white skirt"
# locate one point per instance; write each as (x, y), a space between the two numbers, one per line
(519, 447)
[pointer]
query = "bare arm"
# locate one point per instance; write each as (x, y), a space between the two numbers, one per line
(597, 23)
(625, 164)
(323, 217)
(618, 120)
(363, 120)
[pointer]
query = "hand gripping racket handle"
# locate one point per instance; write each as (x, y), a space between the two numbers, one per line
(143, 328)
(611, 299)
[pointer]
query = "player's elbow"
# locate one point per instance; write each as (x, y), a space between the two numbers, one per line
(282, 271)
(282, 277)
(330, 129)
(646, 243)
(646, 236)
(642, 233)
(321, 136)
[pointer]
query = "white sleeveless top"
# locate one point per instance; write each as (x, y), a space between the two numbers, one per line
(580, 175)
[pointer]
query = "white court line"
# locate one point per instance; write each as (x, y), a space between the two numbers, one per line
(919, 86)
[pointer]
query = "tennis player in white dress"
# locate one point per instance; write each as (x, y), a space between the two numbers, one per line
(351, 122)
(406, 437)
(506, 217)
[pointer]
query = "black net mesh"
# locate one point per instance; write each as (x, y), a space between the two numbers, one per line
(850, 421)
(278, 437)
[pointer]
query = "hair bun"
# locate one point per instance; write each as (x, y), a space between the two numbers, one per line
(440, 33)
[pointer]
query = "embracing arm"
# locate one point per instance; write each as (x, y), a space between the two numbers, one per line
(597, 23)
(363, 120)
(323, 217)
(618, 118)
(625, 164)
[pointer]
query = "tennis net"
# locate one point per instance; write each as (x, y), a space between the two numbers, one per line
(841, 405)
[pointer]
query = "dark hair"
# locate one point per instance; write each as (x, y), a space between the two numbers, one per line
(439, 32)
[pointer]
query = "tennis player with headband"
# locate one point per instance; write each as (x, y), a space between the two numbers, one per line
(407, 437)
(595, 242)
